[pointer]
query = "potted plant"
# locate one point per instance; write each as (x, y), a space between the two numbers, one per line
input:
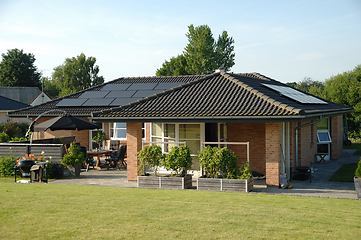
(74, 158)
(223, 172)
(149, 156)
(357, 180)
(99, 138)
(178, 161)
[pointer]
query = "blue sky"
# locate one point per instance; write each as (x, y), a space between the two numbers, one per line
(285, 40)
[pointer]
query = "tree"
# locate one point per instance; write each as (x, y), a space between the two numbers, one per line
(176, 66)
(345, 89)
(76, 74)
(50, 87)
(17, 69)
(202, 55)
(307, 84)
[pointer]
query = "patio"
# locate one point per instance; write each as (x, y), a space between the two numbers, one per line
(320, 186)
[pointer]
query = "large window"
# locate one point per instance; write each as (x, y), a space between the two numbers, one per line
(118, 131)
(169, 133)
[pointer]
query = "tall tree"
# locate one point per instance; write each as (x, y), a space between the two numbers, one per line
(17, 69)
(344, 88)
(202, 54)
(175, 67)
(75, 74)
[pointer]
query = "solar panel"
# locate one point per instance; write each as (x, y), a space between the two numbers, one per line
(142, 86)
(165, 86)
(120, 94)
(294, 94)
(71, 102)
(95, 102)
(123, 101)
(110, 87)
(143, 94)
(94, 94)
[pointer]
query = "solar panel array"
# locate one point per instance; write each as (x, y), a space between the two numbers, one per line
(117, 94)
(295, 95)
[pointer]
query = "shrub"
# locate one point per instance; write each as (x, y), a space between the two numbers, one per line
(74, 157)
(208, 162)
(178, 160)
(7, 165)
(14, 129)
(150, 156)
(358, 170)
(4, 137)
(221, 162)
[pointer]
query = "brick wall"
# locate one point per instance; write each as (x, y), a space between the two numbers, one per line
(273, 152)
(336, 132)
(134, 145)
(82, 136)
(253, 133)
(307, 144)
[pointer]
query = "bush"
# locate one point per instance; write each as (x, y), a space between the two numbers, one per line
(13, 129)
(74, 157)
(208, 162)
(7, 164)
(4, 137)
(150, 156)
(358, 170)
(178, 160)
(221, 162)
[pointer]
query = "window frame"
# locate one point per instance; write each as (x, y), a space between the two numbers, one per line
(323, 132)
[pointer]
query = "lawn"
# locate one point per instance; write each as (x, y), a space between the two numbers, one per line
(345, 173)
(356, 146)
(46, 211)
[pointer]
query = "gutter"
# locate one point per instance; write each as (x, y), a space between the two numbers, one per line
(296, 135)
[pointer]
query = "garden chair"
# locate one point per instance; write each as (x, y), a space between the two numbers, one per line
(118, 156)
(89, 161)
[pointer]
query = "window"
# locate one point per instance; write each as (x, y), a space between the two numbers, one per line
(323, 137)
(119, 130)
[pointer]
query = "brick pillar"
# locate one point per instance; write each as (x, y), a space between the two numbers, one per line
(336, 132)
(134, 145)
(273, 153)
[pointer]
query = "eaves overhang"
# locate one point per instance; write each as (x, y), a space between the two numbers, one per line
(293, 118)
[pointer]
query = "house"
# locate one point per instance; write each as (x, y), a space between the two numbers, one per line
(42, 97)
(6, 105)
(21, 97)
(278, 123)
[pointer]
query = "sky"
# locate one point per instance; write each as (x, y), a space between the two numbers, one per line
(285, 40)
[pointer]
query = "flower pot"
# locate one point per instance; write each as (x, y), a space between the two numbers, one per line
(226, 185)
(75, 170)
(161, 182)
(357, 182)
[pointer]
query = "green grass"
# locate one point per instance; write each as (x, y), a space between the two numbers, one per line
(46, 211)
(345, 173)
(356, 146)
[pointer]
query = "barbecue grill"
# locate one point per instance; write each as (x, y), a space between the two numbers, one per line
(31, 169)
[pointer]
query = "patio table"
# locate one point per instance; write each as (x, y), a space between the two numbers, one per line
(98, 154)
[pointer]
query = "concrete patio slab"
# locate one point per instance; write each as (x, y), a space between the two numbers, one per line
(320, 186)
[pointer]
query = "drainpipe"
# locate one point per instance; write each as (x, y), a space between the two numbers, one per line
(296, 135)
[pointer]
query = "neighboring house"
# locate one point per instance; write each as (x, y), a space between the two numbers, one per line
(21, 94)
(7, 105)
(42, 97)
(278, 122)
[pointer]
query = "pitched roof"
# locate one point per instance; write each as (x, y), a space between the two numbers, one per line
(9, 104)
(21, 94)
(203, 97)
